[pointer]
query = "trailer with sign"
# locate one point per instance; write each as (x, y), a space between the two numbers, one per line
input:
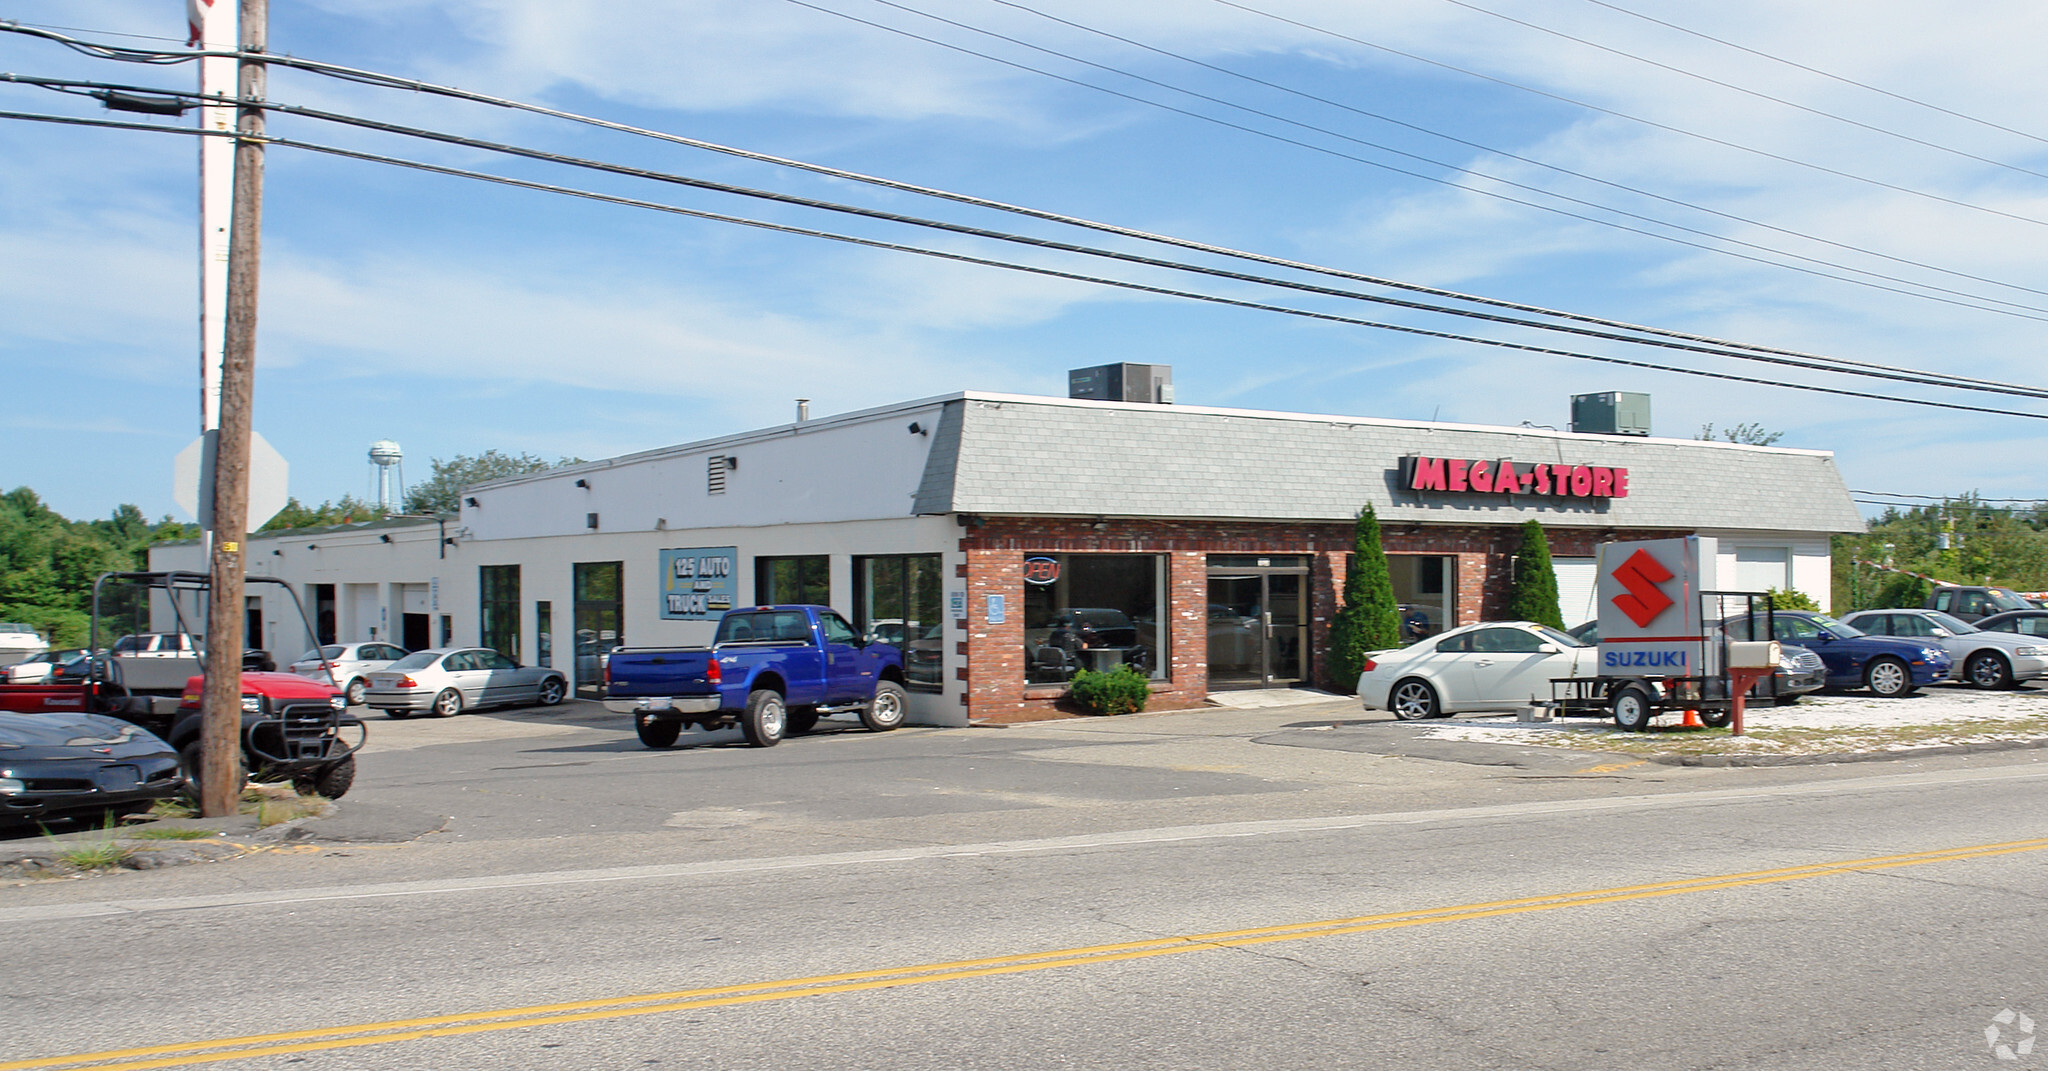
(1662, 645)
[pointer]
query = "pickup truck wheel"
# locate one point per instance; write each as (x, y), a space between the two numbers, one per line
(1888, 678)
(552, 690)
(1633, 708)
(885, 711)
(658, 732)
(802, 720)
(765, 718)
(356, 689)
(331, 781)
(449, 702)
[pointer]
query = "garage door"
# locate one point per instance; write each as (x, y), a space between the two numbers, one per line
(1574, 589)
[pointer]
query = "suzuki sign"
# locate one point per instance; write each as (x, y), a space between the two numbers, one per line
(1649, 600)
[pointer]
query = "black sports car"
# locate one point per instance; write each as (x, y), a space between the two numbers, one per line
(53, 764)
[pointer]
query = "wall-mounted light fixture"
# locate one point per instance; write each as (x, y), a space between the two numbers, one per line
(919, 429)
(386, 537)
(1101, 526)
(278, 553)
(732, 464)
(312, 546)
(661, 524)
(447, 541)
(585, 484)
(473, 503)
(590, 521)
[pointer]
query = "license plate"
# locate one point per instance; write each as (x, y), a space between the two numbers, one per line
(659, 704)
(118, 778)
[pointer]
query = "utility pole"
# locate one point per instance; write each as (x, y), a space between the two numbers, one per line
(220, 757)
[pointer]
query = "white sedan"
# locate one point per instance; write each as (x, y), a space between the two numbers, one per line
(36, 669)
(449, 680)
(347, 666)
(1494, 666)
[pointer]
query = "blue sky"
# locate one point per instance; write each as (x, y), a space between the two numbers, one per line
(456, 317)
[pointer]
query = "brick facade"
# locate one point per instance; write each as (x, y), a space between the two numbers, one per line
(992, 663)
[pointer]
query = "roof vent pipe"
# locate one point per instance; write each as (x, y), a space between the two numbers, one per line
(803, 410)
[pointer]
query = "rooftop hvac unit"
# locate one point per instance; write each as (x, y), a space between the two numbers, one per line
(1123, 383)
(1615, 412)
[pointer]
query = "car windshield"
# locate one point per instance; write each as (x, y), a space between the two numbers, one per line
(415, 661)
(1562, 639)
(1954, 624)
(2006, 600)
(1841, 631)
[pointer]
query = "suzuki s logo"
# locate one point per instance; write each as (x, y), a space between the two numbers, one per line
(1644, 600)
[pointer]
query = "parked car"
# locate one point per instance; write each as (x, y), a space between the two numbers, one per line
(446, 681)
(1799, 672)
(53, 764)
(347, 666)
(73, 670)
(19, 641)
(2021, 622)
(1490, 666)
(1888, 667)
(1972, 603)
(1982, 659)
(37, 668)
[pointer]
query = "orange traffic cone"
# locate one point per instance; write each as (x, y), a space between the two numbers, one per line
(1692, 720)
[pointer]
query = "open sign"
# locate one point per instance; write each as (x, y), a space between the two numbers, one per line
(1041, 570)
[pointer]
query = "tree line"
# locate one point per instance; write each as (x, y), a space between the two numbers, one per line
(48, 562)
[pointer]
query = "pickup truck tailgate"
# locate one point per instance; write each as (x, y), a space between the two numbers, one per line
(664, 673)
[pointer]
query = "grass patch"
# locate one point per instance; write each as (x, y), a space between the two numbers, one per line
(175, 807)
(105, 855)
(173, 833)
(276, 803)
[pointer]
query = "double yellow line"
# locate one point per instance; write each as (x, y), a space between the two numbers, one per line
(344, 1037)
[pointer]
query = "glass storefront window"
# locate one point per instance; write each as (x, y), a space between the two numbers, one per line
(600, 613)
(498, 608)
(787, 581)
(1423, 588)
(896, 600)
(1092, 611)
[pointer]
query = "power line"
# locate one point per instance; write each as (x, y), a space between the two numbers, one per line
(379, 79)
(1751, 92)
(1868, 371)
(1010, 265)
(1454, 139)
(1815, 70)
(1575, 102)
(1438, 163)
(386, 80)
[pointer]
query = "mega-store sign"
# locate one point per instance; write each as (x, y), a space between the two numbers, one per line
(1458, 475)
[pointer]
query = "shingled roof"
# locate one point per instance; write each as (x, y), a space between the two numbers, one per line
(1031, 456)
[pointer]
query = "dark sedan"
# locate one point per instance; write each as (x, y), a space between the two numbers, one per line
(2024, 622)
(1888, 667)
(57, 764)
(1799, 670)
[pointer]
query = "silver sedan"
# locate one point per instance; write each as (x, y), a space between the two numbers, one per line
(449, 680)
(1982, 659)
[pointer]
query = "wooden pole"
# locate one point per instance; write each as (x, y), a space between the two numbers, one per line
(220, 759)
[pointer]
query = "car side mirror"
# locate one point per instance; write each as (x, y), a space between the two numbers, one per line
(1547, 648)
(1942, 633)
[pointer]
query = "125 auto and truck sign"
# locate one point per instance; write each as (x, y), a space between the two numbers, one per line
(698, 583)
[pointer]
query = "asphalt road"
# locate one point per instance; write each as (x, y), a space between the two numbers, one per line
(1219, 889)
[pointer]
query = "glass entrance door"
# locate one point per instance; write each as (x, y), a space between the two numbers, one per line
(1258, 623)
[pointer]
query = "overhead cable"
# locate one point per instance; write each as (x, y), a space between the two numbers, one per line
(1467, 5)
(1456, 140)
(1053, 273)
(1575, 102)
(1312, 147)
(1917, 102)
(397, 82)
(1864, 370)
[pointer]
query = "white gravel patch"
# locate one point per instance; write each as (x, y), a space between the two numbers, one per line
(1972, 715)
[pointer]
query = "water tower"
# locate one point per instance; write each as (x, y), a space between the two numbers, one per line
(386, 455)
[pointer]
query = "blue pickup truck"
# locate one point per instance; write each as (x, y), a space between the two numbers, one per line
(772, 669)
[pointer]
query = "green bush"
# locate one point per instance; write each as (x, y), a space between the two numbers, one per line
(1797, 600)
(1535, 592)
(1120, 691)
(1369, 619)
